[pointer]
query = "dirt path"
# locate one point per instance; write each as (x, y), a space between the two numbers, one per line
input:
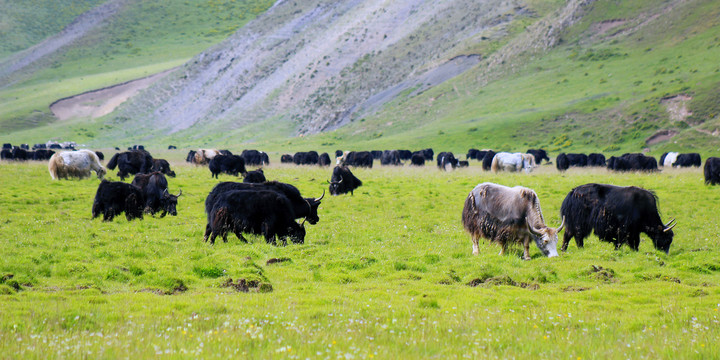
(101, 102)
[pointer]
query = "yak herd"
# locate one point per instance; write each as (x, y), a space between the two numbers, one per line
(501, 214)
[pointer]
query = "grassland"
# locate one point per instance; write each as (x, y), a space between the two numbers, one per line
(384, 274)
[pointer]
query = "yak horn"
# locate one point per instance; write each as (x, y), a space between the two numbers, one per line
(180, 193)
(302, 224)
(532, 229)
(562, 225)
(321, 196)
(671, 224)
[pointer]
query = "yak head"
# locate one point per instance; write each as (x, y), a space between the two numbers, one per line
(546, 238)
(663, 238)
(101, 173)
(169, 203)
(297, 233)
(313, 204)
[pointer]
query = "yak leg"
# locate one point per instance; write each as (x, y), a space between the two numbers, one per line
(633, 240)
(475, 245)
(526, 248)
(207, 232)
(566, 240)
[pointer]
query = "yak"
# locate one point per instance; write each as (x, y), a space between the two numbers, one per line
(228, 164)
(154, 187)
(712, 171)
(343, 181)
(115, 197)
(78, 164)
(616, 214)
(131, 163)
(507, 215)
(255, 176)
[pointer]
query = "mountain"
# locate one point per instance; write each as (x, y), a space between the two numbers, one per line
(605, 75)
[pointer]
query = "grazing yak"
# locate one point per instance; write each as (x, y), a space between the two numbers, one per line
(255, 158)
(75, 164)
(417, 159)
(190, 156)
(286, 159)
(616, 214)
(596, 159)
(390, 157)
(154, 187)
(343, 181)
(115, 197)
(324, 159)
(265, 212)
(487, 160)
(539, 155)
(131, 163)
(306, 158)
(356, 158)
(565, 161)
(473, 154)
(687, 160)
(162, 166)
(228, 164)
(376, 154)
(255, 176)
(203, 156)
(508, 215)
(513, 162)
(667, 159)
(632, 162)
(302, 207)
(446, 161)
(712, 171)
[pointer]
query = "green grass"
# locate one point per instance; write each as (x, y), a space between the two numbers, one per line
(384, 274)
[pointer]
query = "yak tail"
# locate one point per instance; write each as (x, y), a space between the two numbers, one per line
(495, 166)
(113, 162)
(53, 165)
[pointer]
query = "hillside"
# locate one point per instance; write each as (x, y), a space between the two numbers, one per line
(578, 75)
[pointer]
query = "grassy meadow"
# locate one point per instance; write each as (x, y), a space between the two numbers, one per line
(386, 273)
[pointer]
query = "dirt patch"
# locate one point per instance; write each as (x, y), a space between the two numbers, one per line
(604, 26)
(277, 260)
(660, 136)
(101, 102)
(603, 274)
(243, 285)
(502, 280)
(572, 288)
(676, 107)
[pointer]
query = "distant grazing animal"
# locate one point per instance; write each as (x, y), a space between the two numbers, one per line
(306, 158)
(115, 197)
(268, 213)
(6, 154)
(407, 154)
(473, 154)
(417, 159)
(19, 154)
(203, 156)
(255, 176)
(75, 164)
(131, 163)
(190, 156)
(172, 147)
(712, 171)
(617, 214)
(508, 215)
(687, 160)
(565, 161)
(504, 161)
(390, 157)
(7, 146)
(324, 159)
(428, 153)
(162, 166)
(44, 154)
(539, 155)
(228, 164)
(154, 187)
(343, 181)
(39, 146)
(255, 158)
(137, 147)
(286, 159)
(100, 155)
(463, 163)
(353, 158)
(596, 159)
(302, 207)
(632, 162)
(376, 154)
(446, 161)
(338, 153)
(487, 160)
(668, 158)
